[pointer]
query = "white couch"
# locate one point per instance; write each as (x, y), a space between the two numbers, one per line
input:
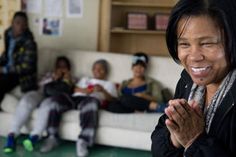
(123, 130)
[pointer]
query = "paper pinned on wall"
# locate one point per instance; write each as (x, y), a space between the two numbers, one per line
(23, 5)
(34, 6)
(74, 8)
(51, 27)
(53, 8)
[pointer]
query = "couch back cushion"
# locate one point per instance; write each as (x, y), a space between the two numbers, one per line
(164, 69)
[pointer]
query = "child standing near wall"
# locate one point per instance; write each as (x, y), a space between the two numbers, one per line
(18, 63)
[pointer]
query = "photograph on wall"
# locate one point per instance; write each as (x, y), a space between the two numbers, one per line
(57, 8)
(34, 6)
(51, 27)
(23, 5)
(74, 8)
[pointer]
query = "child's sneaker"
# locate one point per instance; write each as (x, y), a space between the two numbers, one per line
(10, 145)
(30, 142)
(81, 148)
(50, 143)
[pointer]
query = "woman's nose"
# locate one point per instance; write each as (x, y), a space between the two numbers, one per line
(196, 53)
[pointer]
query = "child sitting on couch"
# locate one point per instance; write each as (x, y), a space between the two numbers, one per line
(139, 93)
(33, 99)
(89, 94)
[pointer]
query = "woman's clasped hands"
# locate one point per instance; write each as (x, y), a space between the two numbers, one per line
(185, 122)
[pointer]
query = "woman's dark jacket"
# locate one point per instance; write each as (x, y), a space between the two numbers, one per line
(219, 142)
(25, 59)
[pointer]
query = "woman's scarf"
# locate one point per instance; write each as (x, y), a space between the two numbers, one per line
(198, 94)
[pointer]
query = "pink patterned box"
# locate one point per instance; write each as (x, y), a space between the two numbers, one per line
(161, 21)
(138, 21)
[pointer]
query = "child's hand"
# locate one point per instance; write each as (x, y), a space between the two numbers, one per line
(83, 90)
(98, 88)
(90, 88)
(141, 95)
(77, 90)
(66, 75)
(57, 74)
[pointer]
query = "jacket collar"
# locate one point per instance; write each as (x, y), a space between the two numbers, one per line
(186, 77)
(187, 82)
(226, 105)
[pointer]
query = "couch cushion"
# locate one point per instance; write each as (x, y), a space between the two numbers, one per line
(134, 121)
(11, 99)
(157, 68)
(9, 103)
(17, 92)
(71, 116)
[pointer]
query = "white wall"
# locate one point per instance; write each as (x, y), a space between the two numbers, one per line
(78, 33)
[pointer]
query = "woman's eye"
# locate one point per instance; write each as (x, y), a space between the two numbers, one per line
(208, 44)
(183, 45)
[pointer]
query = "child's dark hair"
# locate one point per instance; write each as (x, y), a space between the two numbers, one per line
(63, 59)
(104, 63)
(140, 58)
(22, 15)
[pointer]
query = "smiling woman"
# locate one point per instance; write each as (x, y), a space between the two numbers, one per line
(201, 50)
(201, 120)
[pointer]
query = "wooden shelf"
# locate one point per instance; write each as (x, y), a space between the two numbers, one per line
(114, 37)
(133, 4)
(122, 30)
